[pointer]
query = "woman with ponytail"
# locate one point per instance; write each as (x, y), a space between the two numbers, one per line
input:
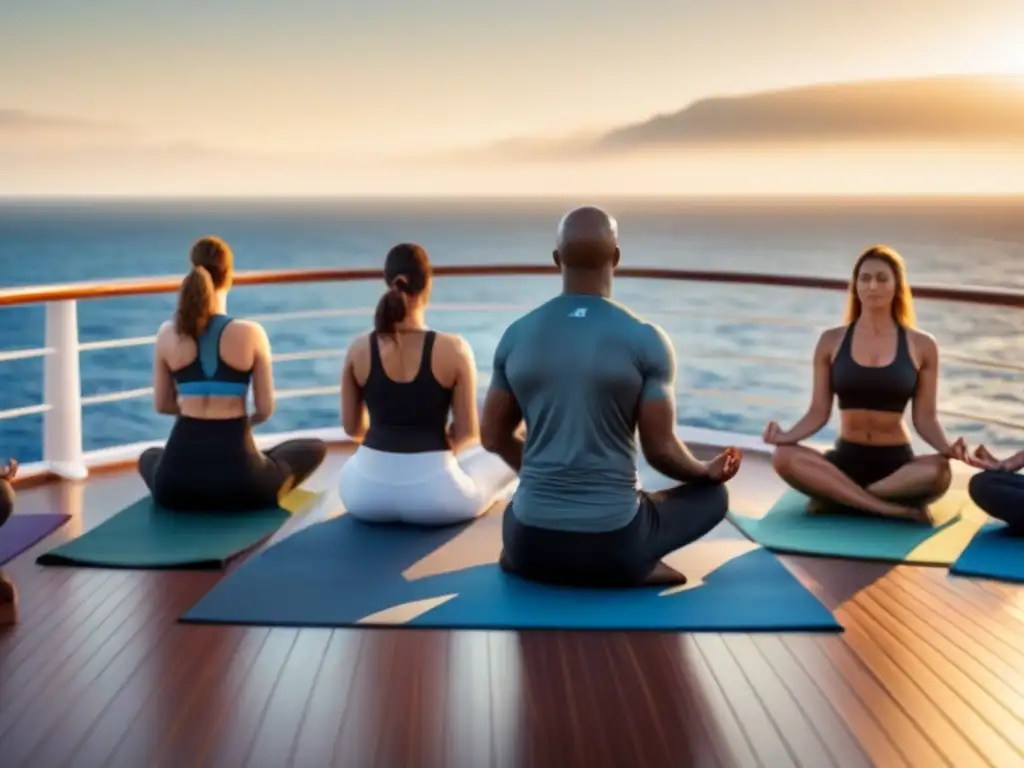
(399, 384)
(204, 364)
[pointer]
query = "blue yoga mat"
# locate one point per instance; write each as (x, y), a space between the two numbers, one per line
(343, 572)
(992, 554)
(788, 527)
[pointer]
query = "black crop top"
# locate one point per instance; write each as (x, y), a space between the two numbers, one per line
(406, 417)
(887, 388)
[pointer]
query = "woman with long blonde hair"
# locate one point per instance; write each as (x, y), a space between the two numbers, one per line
(875, 364)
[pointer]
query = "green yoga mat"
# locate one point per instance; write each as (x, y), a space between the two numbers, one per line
(145, 536)
(789, 528)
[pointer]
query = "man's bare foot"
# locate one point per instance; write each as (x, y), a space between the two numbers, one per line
(665, 575)
(8, 602)
(815, 507)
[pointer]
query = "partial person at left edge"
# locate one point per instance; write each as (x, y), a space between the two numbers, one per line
(8, 592)
(204, 363)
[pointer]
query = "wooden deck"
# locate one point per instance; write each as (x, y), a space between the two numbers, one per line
(929, 672)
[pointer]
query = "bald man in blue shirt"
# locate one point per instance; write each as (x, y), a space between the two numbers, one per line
(586, 373)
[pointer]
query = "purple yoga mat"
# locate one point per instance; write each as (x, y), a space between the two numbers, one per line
(22, 531)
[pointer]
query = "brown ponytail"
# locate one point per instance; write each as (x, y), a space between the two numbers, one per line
(407, 273)
(212, 268)
(195, 303)
(391, 310)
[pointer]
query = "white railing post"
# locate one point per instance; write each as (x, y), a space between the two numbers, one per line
(62, 423)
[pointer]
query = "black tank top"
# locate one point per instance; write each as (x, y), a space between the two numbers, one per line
(887, 388)
(406, 417)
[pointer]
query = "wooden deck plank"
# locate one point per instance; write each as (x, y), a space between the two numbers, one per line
(93, 676)
(971, 610)
(504, 688)
(469, 706)
(329, 699)
(228, 736)
(120, 698)
(898, 672)
(651, 680)
(776, 675)
(282, 719)
(57, 660)
(717, 716)
(765, 739)
(145, 710)
(917, 623)
(181, 734)
(982, 721)
(847, 728)
(970, 637)
(358, 732)
(930, 671)
(875, 693)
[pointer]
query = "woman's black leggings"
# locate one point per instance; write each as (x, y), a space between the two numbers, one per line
(214, 465)
(1001, 495)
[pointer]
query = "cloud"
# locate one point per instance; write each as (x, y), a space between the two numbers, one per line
(21, 130)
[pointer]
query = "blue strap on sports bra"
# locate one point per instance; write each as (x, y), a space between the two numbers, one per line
(208, 374)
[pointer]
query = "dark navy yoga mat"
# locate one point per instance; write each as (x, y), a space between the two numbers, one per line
(992, 554)
(343, 572)
(22, 531)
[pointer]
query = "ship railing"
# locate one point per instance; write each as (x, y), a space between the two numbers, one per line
(63, 454)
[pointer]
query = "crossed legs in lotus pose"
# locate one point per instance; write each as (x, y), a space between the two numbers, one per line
(906, 492)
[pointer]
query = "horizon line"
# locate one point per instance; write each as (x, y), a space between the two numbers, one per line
(806, 197)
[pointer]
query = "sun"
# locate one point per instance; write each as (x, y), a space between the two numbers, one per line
(1002, 58)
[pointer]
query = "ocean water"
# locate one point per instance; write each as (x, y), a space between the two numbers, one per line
(743, 351)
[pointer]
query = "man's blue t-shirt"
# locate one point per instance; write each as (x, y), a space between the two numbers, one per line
(579, 366)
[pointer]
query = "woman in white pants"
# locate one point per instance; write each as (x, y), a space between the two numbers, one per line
(398, 385)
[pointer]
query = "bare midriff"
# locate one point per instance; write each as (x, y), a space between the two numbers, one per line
(212, 407)
(873, 427)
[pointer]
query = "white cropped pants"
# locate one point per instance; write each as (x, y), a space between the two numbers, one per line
(432, 488)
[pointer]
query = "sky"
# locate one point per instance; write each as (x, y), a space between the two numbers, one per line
(316, 96)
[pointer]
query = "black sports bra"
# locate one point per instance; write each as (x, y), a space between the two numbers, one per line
(406, 417)
(887, 388)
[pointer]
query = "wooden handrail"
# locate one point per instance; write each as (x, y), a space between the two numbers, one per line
(140, 286)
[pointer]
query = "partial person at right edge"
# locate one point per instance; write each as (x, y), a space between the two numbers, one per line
(204, 363)
(399, 384)
(585, 373)
(875, 365)
(999, 488)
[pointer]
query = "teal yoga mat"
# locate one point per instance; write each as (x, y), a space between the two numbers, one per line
(145, 536)
(789, 528)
